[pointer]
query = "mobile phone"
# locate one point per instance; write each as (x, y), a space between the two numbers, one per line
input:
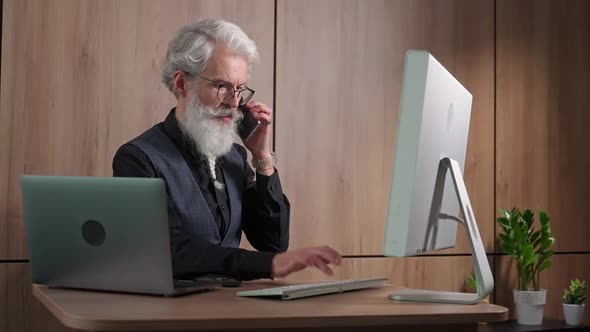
(248, 125)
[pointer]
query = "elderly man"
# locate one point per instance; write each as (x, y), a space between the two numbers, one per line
(212, 193)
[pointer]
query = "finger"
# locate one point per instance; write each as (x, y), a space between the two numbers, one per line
(293, 265)
(328, 256)
(336, 254)
(255, 104)
(317, 262)
(263, 110)
(263, 118)
(332, 251)
(260, 108)
(299, 263)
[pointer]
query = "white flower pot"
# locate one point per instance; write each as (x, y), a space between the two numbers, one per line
(529, 306)
(573, 313)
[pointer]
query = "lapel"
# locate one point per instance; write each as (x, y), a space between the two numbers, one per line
(203, 206)
(232, 174)
(185, 190)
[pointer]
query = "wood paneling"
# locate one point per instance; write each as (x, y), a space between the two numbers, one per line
(19, 310)
(339, 73)
(555, 280)
(543, 76)
(542, 80)
(80, 78)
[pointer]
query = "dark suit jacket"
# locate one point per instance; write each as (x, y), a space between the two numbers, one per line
(198, 247)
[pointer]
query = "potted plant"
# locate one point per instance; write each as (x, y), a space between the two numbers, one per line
(573, 302)
(531, 251)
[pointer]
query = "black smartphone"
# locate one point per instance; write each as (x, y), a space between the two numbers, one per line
(248, 124)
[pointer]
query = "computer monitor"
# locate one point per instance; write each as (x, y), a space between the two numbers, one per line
(433, 130)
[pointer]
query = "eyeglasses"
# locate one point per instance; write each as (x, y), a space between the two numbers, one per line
(225, 91)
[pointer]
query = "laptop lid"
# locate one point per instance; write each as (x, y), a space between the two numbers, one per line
(98, 233)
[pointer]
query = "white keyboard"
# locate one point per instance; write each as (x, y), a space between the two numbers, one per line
(306, 290)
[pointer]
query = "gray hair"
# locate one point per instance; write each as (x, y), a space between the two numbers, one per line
(193, 45)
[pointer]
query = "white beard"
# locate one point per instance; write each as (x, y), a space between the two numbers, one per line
(212, 138)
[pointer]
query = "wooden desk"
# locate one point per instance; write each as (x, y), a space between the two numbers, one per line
(222, 310)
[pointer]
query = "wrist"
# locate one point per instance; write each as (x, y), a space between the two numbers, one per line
(266, 172)
(275, 266)
(266, 163)
(261, 155)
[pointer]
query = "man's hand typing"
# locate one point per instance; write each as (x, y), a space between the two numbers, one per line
(288, 262)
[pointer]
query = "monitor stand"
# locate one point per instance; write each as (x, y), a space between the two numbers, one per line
(483, 274)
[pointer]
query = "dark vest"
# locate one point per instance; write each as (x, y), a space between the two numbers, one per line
(185, 199)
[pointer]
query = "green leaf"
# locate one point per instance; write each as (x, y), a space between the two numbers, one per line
(547, 243)
(537, 243)
(527, 251)
(504, 218)
(471, 282)
(507, 248)
(518, 233)
(505, 238)
(544, 219)
(528, 218)
(535, 237)
(530, 259)
(546, 255)
(503, 221)
(545, 265)
(575, 293)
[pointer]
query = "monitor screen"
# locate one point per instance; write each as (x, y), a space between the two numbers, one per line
(433, 124)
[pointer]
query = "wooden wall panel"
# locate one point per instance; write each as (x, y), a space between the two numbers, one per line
(19, 310)
(555, 280)
(339, 73)
(80, 78)
(543, 77)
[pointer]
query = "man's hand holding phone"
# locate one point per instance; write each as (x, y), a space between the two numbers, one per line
(258, 141)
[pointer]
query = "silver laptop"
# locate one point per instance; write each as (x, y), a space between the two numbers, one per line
(101, 233)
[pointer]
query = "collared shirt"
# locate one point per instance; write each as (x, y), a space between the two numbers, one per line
(130, 161)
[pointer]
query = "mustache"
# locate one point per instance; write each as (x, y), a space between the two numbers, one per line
(227, 111)
(223, 111)
(209, 113)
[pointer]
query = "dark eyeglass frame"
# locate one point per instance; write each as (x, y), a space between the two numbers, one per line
(231, 91)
